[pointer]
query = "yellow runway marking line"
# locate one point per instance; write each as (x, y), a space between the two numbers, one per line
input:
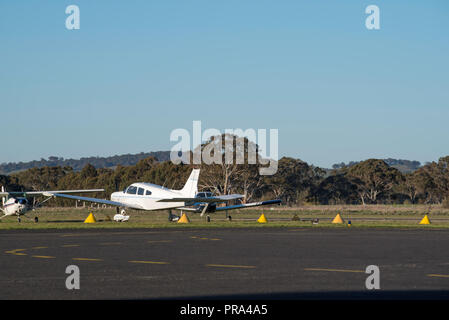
(201, 238)
(101, 234)
(16, 252)
(43, 257)
(159, 241)
(70, 245)
(438, 275)
(67, 235)
(37, 248)
(87, 259)
(204, 238)
(334, 270)
(229, 266)
(149, 262)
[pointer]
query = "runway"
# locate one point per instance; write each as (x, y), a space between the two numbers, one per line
(253, 263)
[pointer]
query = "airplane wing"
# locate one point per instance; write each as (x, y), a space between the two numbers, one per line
(100, 201)
(247, 205)
(237, 206)
(209, 199)
(46, 193)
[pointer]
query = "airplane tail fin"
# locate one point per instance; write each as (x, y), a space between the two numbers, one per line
(191, 187)
(3, 198)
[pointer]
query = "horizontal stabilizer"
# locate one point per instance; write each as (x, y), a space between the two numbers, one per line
(209, 199)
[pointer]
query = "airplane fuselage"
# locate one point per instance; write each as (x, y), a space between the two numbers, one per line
(16, 206)
(145, 196)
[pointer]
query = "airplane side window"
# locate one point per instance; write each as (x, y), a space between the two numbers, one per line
(132, 190)
(140, 192)
(148, 193)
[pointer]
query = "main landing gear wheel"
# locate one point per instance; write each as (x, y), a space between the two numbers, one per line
(36, 219)
(19, 220)
(172, 217)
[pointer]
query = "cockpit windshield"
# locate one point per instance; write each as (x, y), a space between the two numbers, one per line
(204, 195)
(131, 190)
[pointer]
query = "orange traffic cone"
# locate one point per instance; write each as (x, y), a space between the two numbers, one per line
(262, 219)
(90, 219)
(425, 220)
(337, 219)
(184, 219)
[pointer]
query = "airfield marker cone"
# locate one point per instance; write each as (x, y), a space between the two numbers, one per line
(425, 220)
(337, 219)
(184, 219)
(90, 219)
(262, 219)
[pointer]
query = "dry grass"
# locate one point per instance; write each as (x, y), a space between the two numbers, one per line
(278, 216)
(375, 209)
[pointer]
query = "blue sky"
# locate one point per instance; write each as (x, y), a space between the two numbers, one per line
(136, 70)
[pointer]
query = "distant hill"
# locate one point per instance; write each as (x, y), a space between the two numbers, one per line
(405, 166)
(78, 164)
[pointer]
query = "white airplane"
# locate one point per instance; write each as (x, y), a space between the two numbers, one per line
(151, 197)
(18, 203)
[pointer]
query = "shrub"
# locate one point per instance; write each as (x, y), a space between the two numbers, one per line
(445, 203)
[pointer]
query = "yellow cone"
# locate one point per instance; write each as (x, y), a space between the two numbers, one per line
(425, 220)
(337, 219)
(262, 219)
(90, 219)
(184, 219)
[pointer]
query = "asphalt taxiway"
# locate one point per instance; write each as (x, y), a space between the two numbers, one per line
(253, 263)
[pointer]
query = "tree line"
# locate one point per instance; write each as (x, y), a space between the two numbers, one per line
(372, 181)
(79, 164)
